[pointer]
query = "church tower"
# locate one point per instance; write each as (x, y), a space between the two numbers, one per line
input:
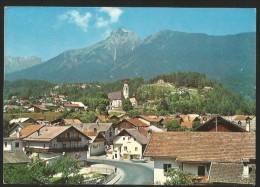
(126, 89)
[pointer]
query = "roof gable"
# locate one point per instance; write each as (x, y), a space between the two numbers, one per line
(202, 146)
(211, 123)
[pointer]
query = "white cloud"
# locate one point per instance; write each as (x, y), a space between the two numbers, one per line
(113, 13)
(101, 22)
(73, 16)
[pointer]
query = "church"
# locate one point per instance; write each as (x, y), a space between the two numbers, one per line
(116, 98)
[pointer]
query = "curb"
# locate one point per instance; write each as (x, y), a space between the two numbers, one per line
(116, 180)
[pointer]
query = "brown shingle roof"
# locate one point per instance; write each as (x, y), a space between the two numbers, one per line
(49, 133)
(202, 146)
(100, 127)
(231, 173)
(115, 95)
(150, 118)
(136, 134)
(137, 122)
(72, 121)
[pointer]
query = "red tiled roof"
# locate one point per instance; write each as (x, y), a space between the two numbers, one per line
(166, 120)
(203, 146)
(241, 117)
(71, 105)
(137, 122)
(29, 130)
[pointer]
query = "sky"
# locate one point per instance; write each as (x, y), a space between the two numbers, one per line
(46, 32)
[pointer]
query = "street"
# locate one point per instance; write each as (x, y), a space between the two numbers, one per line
(133, 173)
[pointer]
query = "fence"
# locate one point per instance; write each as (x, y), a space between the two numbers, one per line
(102, 180)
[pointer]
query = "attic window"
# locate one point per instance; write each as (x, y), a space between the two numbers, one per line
(239, 122)
(250, 170)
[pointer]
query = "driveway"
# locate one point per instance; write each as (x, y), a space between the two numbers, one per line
(133, 173)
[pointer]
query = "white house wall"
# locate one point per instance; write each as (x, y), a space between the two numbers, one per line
(97, 148)
(158, 169)
(131, 144)
(11, 145)
(193, 168)
(8, 146)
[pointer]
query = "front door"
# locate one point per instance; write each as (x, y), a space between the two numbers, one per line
(201, 170)
(131, 156)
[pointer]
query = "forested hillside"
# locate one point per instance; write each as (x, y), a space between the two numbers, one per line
(181, 92)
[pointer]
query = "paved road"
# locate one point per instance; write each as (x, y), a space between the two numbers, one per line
(133, 173)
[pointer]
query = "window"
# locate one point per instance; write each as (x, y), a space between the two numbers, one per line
(166, 167)
(115, 155)
(129, 137)
(110, 134)
(64, 145)
(134, 139)
(136, 148)
(123, 138)
(5, 144)
(55, 145)
(201, 170)
(68, 134)
(43, 145)
(16, 144)
(125, 148)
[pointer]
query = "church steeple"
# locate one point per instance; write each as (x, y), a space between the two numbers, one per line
(126, 89)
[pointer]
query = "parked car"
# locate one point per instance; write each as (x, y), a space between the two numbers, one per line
(139, 160)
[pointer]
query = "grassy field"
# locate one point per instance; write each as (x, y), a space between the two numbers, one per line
(49, 115)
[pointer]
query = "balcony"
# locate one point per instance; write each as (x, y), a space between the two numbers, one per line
(56, 150)
(61, 139)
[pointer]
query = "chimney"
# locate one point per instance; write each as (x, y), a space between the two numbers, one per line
(245, 170)
(248, 125)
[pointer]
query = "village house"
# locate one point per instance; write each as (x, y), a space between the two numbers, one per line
(15, 140)
(244, 121)
(133, 102)
(220, 124)
(202, 154)
(129, 144)
(150, 120)
(96, 144)
(128, 124)
(106, 118)
(55, 141)
(70, 107)
(107, 129)
(22, 120)
(38, 108)
(19, 124)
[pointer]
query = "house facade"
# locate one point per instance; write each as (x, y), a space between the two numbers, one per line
(51, 142)
(219, 124)
(196, 152)
(129, 144)
(96, 144)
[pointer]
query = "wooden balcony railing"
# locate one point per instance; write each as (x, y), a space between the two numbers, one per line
(60, 139)
(55, 150)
